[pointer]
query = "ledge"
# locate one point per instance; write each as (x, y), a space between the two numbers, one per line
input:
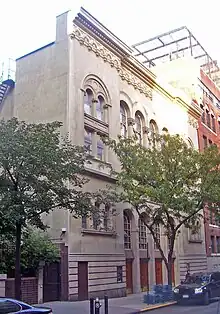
(99, 233)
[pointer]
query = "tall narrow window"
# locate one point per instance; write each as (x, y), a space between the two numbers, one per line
(213, 123)
(106, 217)
(203, 113)
(205, 142)
(96, 217)
(100, 108)
(138, 128)
(157, 234)
(218, 244)
(142, 235)
(100, 149)
(127, 231)
(88, 98)
(210, 143)
(123, 120)
(88, 141)
(208, 119)
(153, 132)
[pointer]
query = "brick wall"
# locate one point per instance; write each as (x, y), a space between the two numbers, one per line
(29, 288)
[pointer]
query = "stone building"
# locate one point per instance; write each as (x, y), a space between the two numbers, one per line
(89, 80)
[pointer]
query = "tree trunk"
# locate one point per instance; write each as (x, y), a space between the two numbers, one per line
(169, 272)
(18, 263)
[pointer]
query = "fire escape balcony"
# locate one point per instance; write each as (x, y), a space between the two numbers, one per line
(5, 87)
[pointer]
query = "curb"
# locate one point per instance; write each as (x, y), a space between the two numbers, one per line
(154, 307)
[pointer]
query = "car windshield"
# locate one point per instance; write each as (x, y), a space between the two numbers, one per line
(197, 279)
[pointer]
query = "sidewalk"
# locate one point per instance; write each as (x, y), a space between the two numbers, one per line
(126, 305)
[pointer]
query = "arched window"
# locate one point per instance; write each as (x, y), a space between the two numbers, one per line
(190, 143)
(100, 108)
(138, 127)
(165, 131)
(127, 231)
(123, 119)
(153, 132)
(88, 98)
(142, 234)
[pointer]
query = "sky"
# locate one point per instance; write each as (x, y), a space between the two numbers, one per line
(26, 25)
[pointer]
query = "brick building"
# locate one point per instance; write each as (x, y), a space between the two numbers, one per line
(209, 134)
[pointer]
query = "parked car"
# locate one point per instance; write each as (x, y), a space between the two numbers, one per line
(198, 287)
(8, 306)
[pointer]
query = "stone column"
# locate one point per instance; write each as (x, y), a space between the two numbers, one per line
(145, 136)
(3, 279)
(40, 282)
(131, 123)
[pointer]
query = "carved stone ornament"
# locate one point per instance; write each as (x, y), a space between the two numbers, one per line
(146, 130)
(100, 51)
(193, 122)
(131, 122)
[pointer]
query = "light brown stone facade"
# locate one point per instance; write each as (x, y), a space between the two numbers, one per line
(69, 80)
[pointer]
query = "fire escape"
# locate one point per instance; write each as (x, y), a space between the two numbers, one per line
(6, 83)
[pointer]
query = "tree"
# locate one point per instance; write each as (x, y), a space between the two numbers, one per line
(39, 171)
(36, 246)
(170, 182)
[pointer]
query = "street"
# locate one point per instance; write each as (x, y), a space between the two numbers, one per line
(83, 308)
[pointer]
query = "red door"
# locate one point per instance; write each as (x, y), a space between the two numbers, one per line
(158, 272)
(129, 283)
(82, 281)
(144, 274)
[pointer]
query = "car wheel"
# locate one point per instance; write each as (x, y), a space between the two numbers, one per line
(206, 298)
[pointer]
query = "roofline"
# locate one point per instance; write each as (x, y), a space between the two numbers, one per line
(117, 41)
(34, 51)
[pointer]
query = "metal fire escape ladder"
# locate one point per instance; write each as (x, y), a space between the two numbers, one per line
(5, 88)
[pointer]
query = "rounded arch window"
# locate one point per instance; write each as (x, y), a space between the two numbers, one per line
(88, 98)
(123, 119)
(142, 233)
(100, 108)
(138, 127)
(127, 231)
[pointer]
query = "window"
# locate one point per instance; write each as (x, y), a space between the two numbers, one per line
(157, 234)
(106, 217)
(210, 143)
(138, 128)
(203, 113)
(153, 131)
(119, 274)
(142, 234)
(127, 231)
(7, 307)
(96, 217)
(218, 244)
(213, 123)
(205, 142)
(208, 119)
(123, 119)
(100, 149)
(212, 244)
(99, 108)
(84, 222)
(88, 141)
(88, 99)
(195, 233)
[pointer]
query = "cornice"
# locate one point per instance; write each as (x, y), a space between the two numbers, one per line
(129, 69)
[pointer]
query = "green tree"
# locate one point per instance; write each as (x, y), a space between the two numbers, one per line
(168, 181)
(39, 170)
(36, 246)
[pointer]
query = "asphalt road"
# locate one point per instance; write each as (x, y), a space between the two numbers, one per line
(79, 308)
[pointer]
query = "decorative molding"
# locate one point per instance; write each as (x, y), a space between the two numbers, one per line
(193, 122)
(92, 45)
(136, 82)
(100, 51)
(146, 130)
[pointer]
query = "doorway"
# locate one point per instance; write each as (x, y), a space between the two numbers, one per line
(144, 274)
(51, 282)
(82, 281)
(158, 272)
(129, 282)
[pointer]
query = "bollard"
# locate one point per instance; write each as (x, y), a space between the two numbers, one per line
(97, 306)
(106, 304)
(91, 305)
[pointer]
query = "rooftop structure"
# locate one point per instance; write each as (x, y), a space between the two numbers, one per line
(172, 45)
